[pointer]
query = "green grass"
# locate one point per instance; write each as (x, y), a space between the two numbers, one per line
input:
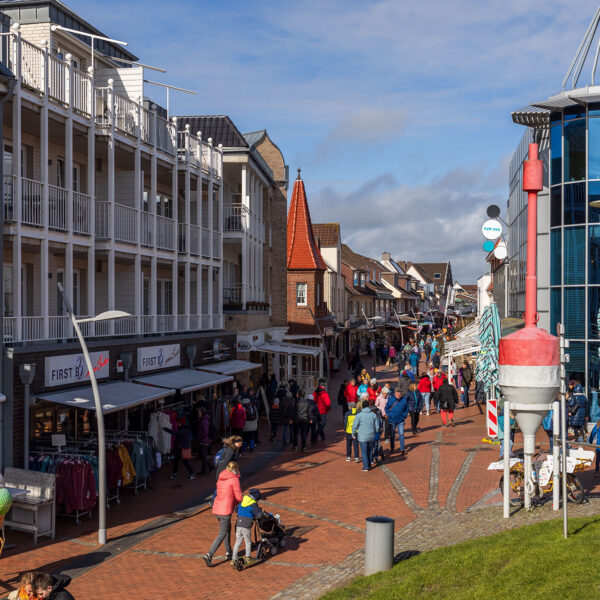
(530, 563)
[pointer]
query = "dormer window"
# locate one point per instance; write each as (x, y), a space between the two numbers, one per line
(437, 275)
(362, 280)
(355, 279)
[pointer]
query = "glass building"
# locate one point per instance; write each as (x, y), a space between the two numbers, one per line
(567, 126)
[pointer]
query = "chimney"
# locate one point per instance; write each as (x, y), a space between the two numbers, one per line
(385, 256)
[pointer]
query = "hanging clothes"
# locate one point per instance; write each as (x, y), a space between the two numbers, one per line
(127, 471)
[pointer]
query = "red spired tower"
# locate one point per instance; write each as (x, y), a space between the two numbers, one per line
(529, 358)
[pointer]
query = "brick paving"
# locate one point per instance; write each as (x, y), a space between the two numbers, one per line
(439, 494)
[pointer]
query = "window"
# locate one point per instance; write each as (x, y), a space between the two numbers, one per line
(437, 275)
(555, 206)
(355, 279)
(301, 292)
(574, 258)
(593, 149)
(362, 280)
(318, 294)
(574, 163)
(574, 203)
(556, 152)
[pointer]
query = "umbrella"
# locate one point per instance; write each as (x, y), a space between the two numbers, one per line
(486, 370)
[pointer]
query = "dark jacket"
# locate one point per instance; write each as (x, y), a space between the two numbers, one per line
(414, 401)
(182, 436)
(275, 415)
(229, 454)
(396, 409)
(467, 375)
(287, 409)
(577, 407)
(59, 592)
(341, 398)
(204, 430)
(447, 396)
(304, 411)
(404, 382)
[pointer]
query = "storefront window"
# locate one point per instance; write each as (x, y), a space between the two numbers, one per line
(574, 323)
(593, 197)
(594, 149)
(574, 203)
(594, 254)
(556, 152)
(574, 263)
(576, 364)
(555, 256)
(593, 311)
(555, 309)
(556, 206)
(574, 164)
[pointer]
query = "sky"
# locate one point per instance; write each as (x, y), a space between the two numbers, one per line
(398, 112)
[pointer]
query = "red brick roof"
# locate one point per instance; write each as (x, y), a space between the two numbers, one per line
(302, 250)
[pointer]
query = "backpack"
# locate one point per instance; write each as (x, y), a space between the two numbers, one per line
(250, 412)
(218, 457)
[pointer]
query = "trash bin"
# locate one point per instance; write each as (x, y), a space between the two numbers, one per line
(379, 544)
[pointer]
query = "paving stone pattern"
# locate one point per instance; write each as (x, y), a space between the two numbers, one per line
(439, 493)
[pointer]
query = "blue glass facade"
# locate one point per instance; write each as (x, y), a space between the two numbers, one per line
(575, 238)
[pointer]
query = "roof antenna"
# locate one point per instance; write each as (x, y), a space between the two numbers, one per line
(298, 174)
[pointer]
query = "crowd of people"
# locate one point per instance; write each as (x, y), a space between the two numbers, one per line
(34, 586)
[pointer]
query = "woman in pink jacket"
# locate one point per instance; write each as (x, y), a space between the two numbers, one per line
(229, 493)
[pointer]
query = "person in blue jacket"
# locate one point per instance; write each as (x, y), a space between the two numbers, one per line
(248, 510)
(577, 411)
(365, 428)
(396, 410)
(595, 435)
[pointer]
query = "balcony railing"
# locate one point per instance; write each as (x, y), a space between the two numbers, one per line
(235, 217)
(195, 240)
(165, 233)
(57, 84)
(206, 242)
(57, 200)
(82, 207)
(126, 114)
(217, 244)
(232, 296)
(147, 232)
(125, 225)
(103, 220)
(9, 192)
(31, 202)
(81, 88)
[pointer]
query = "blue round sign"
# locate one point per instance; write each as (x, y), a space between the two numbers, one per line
(488, 245)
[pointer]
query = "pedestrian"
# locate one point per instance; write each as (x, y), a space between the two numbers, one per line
(404, 381)
(414, 360)
(595, 436)
(351, 441)
(427, 349)
(323, 402)
(25, 589)
(248, 511)
(425, 389)
(341, 399)
(48, 586)
(577, 411)
(272, 389)
(303, 417)
(436, 359)
(377, 451)
(380, 403)
(366, 378)
(237, 418)
(397, 411)
(415, 406)
(250, 426)
(287, 417)
(364, 429)
(373, 390)
(293, 387)
(447, 397)
(548, 427)
(363, 387)
(371, 348)
(204, 441)
(467, 377)
(182, 447)
(229, 493)
(513, 428)
(351, 391)
(392, 354)
(274, 418)
(228, 453)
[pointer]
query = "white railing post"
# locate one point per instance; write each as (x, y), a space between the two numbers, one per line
(16, 54)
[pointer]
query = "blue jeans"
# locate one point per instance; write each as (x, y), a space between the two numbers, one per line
(287, 427)
(400, 428)
(510, 444)
(351, 443)
(321, 430)
(366, 450)
(426, 396)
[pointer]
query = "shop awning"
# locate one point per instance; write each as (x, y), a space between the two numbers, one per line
(114, 396)
(230, 367)
(184, 380)
(287, 348)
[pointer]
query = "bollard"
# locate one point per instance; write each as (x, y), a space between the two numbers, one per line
(379, 544)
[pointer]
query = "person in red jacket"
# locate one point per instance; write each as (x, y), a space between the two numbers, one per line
(237, 419)
(350, 391)
(323, 402)
(437, 381)
(425, 389)
(229, 493)
(374, 390)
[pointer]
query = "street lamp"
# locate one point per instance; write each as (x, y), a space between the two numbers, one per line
(110, 314)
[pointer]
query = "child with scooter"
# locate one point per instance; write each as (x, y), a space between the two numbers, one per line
(248, 510)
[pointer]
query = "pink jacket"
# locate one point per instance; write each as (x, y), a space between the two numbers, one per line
(229, 493)
(380, 403)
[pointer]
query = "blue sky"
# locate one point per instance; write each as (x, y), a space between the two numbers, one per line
(397, 111)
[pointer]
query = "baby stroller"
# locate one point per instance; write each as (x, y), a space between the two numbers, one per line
(269, 536)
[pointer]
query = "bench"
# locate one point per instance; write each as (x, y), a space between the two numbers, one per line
(35, 512)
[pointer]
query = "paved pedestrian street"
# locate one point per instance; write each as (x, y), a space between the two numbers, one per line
(439, 493)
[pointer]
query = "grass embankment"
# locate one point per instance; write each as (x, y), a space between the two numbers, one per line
(529, 563)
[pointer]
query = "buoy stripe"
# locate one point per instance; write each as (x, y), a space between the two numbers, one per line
(528, 376)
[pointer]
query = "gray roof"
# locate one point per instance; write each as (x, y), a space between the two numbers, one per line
(254, 137)
(532, 116)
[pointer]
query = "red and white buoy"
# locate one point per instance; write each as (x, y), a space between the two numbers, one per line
(529, 359)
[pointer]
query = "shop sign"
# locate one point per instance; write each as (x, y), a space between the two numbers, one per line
(244, 346)
(151, 358)
(219, 349)
(491, 229)
(71, 368)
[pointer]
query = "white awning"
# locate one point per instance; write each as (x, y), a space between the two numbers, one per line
(184, 380)
(287, 348)
(114, 396)
(230, 367)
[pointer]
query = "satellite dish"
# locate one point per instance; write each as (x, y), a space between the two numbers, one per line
(493, 211)
(501, 252)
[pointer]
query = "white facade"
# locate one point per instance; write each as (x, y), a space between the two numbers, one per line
(102, 194)
(334, 282)
(483, 297)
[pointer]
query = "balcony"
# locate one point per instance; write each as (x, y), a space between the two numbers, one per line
(236, 217)
(31, 329)
(165, 233)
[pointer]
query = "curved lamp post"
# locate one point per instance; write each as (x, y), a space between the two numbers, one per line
(105, 316)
